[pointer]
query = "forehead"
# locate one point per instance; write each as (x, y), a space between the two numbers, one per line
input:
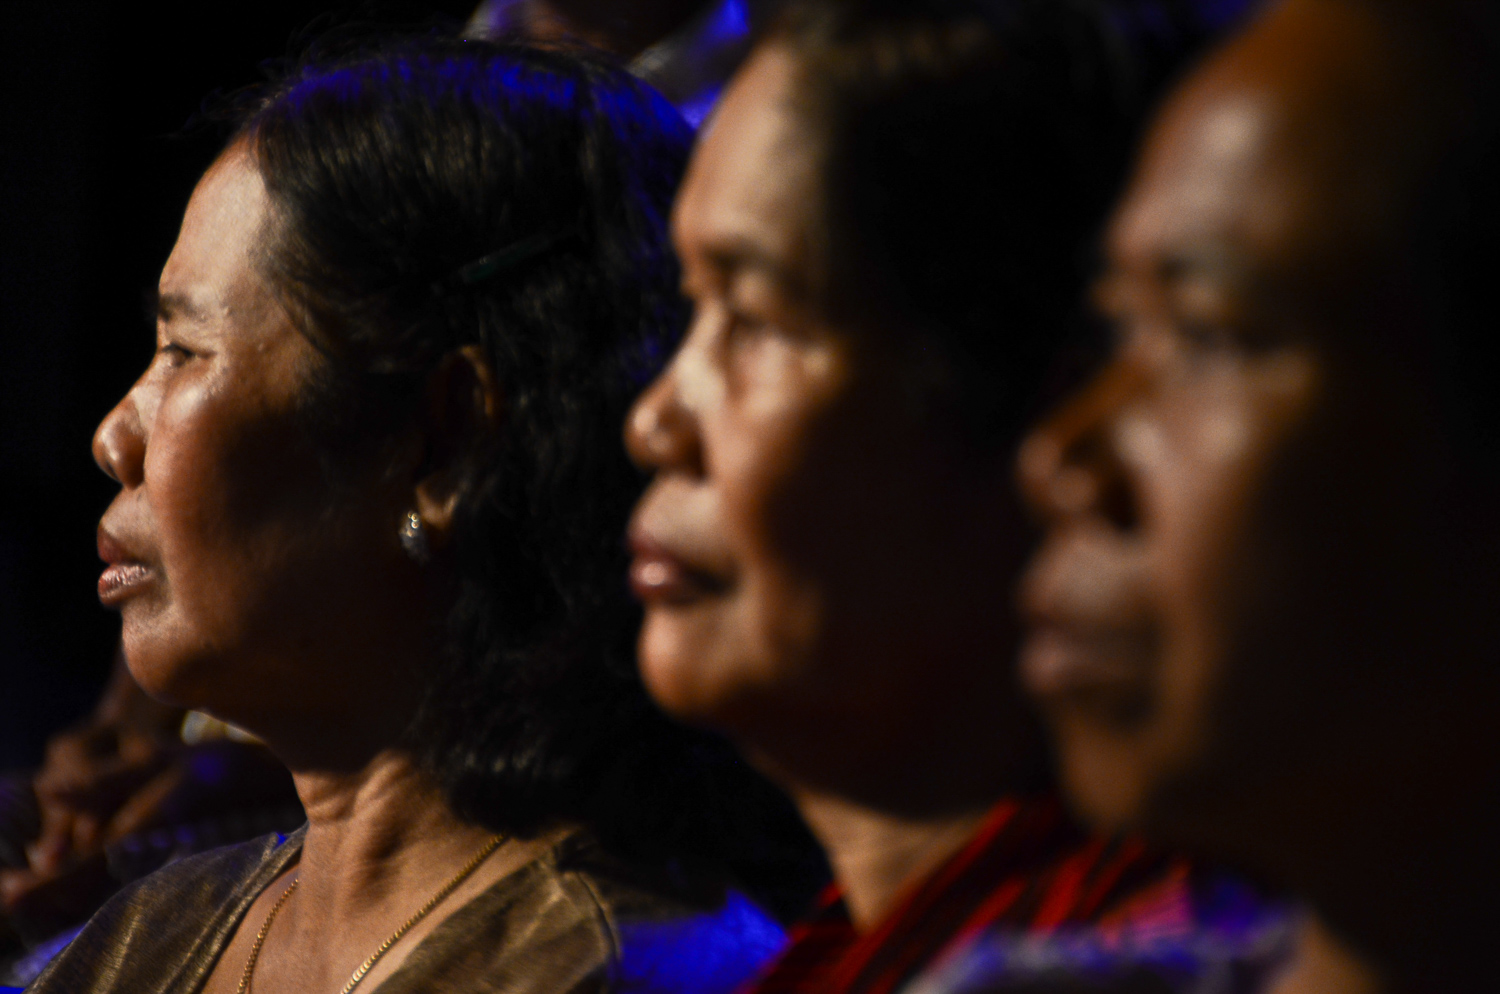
(1219, 181)
(220, 229)
(1276, 151)
(750, 189)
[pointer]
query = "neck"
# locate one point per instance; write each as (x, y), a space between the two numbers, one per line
(377, 821)
(381, 844)
(888, 800)
(877, 856)
(345, 705)
(370, 828)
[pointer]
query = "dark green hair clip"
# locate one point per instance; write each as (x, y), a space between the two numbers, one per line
(486, 267)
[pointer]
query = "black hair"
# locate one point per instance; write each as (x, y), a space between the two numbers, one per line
(972, 150)
(431, 194)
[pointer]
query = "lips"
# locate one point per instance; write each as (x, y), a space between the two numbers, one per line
(1092, 635)
(1063, 661)
(658, 576)
(124, 573)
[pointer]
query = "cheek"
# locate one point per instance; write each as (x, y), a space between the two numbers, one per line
(1206, 479)
(1190, 468)
(235, 496)
(766, 504)
(731, 662)
(190, 486)
(764, 637)
(220, 474)
(819, 529)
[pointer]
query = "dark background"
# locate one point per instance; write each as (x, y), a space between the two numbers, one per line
(95, 169)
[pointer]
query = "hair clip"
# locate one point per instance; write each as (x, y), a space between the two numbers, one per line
(487, 266)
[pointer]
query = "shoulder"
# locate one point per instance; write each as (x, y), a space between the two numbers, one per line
(578, 921)
(667, 938)
(214, 876)
(164, 926)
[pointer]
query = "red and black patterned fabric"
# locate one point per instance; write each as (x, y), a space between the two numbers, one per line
(1028, 867)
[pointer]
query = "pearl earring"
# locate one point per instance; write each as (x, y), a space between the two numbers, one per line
(414, 538)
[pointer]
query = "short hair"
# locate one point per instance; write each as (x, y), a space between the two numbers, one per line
(971, 151)
(395, 175)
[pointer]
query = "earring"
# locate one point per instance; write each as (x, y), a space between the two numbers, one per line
(414, 538)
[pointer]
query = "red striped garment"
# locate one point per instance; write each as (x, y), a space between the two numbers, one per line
(1028, 867)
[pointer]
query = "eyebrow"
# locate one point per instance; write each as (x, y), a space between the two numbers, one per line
(1205, 262)
(1200, 263)
(1178, 267)
(166, 306)
(739, 254)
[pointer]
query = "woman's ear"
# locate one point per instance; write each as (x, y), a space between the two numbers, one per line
(461, 419)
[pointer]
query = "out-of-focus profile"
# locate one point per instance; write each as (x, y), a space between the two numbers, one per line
(1263, 621)
(884, 235)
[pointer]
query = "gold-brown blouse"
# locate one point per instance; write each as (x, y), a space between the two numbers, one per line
(573, 920)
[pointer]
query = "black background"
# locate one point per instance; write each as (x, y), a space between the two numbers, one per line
(95, 169)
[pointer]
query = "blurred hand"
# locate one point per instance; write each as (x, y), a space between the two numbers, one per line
(91, 797)
(90, 777)
(122, 771)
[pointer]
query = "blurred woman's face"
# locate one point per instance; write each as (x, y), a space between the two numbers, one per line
(816, 558)
(227, 554)
(1237, 602)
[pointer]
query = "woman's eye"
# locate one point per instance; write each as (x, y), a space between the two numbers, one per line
(1207, 337)
(174, 354)
(743, 324)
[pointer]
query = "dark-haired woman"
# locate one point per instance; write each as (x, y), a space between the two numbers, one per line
(370, 500)
(883, 235)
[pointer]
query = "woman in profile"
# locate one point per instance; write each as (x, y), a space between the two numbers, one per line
(882, 235)
(369, 510)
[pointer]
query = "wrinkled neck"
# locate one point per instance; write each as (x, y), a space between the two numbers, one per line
(877, 857)
(371, 828)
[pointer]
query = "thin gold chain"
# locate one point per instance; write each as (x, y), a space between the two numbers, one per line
(260, 937)
(365, 967)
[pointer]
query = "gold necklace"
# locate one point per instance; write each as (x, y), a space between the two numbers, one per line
(364, 968)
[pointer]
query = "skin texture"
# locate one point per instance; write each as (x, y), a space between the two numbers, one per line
(222, 496)
(261, 593)
(816, 552)
(1259, 615)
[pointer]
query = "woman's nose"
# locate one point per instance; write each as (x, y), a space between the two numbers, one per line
(120, 445)
(661, 433)
(1069, 466)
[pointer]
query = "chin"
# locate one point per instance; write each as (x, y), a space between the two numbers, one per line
(693, 682)
(167, 675)
(1103, 782)
(668, 670)
(163, 685)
